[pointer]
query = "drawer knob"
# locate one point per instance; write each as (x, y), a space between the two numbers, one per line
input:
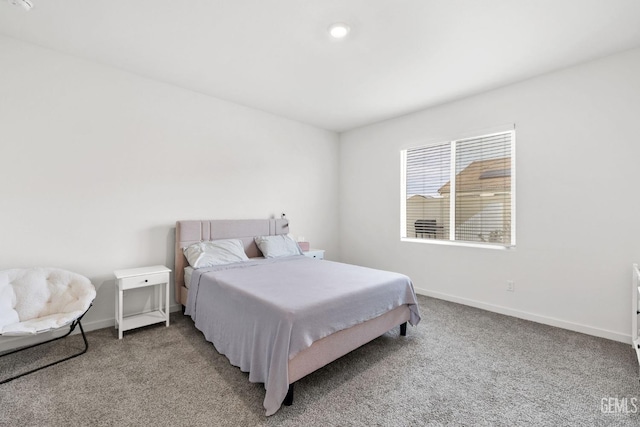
(146, 280)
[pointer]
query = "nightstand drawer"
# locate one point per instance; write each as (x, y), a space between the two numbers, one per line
(144, 280)
(314, 253)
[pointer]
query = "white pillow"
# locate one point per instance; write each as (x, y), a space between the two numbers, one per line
(215, 252)
(277, 246)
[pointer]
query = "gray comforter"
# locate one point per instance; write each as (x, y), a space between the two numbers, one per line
(263, 312)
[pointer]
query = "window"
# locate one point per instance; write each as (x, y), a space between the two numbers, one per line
(461, 190)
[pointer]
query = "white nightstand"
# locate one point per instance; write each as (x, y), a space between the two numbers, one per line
(132, 278)
(315, 253)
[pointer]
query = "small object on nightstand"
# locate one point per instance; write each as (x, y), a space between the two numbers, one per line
(132, 278)
(314, 253)
(304, 246)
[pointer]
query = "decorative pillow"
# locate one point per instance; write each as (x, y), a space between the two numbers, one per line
(215, 252)
(277, 246)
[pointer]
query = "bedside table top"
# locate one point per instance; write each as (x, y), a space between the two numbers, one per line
(141, 271)
(310, 251)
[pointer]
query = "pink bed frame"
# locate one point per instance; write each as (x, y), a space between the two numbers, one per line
(321, 352)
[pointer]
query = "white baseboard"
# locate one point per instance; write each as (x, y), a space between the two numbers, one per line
(551, 321)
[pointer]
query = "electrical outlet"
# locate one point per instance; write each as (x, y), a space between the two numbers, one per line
(511, 286)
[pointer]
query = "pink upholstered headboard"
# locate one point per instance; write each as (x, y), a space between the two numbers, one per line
(189, 232)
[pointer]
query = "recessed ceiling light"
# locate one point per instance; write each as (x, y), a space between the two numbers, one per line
(339, 30)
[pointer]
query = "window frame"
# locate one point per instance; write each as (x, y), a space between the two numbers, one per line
(452, 203)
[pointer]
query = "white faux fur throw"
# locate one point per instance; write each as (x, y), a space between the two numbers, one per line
(35, 300)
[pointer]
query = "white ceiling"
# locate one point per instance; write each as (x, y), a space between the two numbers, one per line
(276, 55)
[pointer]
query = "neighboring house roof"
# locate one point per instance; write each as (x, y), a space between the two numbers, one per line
(483, 176)
(421, 196)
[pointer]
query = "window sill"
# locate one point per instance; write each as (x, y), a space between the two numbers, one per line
(497, 246)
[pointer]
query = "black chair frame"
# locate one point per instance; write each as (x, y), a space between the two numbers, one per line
(72, 326)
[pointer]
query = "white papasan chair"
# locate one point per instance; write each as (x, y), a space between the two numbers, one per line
(38, 300)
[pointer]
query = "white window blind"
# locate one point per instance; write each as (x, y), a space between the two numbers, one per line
(461, 190)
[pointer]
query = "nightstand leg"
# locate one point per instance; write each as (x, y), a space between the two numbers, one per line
(166, 302)
(116, 306)
(120, 314)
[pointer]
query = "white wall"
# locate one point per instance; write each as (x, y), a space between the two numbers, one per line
(578, 181)
(98, 164)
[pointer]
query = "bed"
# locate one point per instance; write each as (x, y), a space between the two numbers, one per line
(237, 306)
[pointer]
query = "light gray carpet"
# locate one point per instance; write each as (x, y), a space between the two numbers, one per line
(460, 366)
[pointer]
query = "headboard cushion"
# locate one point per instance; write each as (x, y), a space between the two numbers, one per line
(193, 231)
